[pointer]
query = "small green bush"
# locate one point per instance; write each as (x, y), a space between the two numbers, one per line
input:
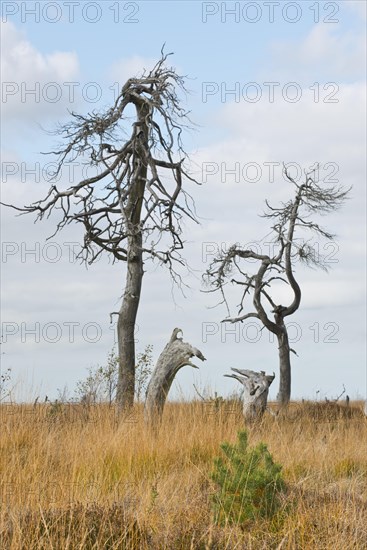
(249, 483)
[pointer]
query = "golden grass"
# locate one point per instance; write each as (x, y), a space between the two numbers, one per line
(73, 478)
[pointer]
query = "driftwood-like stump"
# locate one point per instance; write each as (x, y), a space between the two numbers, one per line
(255, 397)
(175, 355)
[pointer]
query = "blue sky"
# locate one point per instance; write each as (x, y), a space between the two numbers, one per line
(326, 125)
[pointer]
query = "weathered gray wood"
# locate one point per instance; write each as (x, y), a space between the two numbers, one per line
(255, 396)
(175, 355)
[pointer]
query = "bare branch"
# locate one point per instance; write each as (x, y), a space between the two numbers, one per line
(241, 318)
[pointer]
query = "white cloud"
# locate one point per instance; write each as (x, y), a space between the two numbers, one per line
(327, 52)
(329, 134)
(305, 132)
(25, 68)
(22, 61)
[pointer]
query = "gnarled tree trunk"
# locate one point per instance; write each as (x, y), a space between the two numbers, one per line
(256, 389)
(175, 355)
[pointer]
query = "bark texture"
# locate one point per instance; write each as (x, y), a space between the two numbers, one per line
(256, 389)
(175, 355)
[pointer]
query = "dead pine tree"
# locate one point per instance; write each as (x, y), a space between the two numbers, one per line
(134, 205)
(290, 220)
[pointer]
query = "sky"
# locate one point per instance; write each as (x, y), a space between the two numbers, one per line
(269, 83)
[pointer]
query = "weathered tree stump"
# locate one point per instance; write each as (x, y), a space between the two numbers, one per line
(175, 355)
(255, 397)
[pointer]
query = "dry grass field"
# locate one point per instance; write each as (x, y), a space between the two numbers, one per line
(73, 478)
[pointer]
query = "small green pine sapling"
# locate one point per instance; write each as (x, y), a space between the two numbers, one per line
(249, 483)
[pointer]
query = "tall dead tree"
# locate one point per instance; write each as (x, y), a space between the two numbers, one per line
(176, 354)
(278, 268)
(133, 207)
